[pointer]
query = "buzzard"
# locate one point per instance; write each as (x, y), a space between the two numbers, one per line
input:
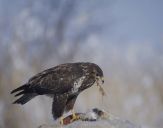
(63, 83)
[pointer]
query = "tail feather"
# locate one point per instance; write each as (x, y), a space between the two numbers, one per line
(23, 87)
(25, 98)
(27, 94)
(20, 93)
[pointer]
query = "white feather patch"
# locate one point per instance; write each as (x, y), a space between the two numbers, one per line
(91, 115)
(78, 83)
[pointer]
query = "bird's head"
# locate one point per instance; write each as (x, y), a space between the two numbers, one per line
(98, 74)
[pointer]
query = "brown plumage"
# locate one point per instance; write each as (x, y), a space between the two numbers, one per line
(63, 82)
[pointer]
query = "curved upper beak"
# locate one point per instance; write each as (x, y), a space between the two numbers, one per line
(102, 79)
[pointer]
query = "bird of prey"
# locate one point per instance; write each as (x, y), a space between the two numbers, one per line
(63, 83)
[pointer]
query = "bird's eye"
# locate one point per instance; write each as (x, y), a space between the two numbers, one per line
(97, 74)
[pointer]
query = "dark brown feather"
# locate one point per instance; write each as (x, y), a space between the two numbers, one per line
(58, 106)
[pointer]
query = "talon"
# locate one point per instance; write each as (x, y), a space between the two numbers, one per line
(61, 120)
(74, 116)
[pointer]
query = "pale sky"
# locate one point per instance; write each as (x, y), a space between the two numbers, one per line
(139, 19)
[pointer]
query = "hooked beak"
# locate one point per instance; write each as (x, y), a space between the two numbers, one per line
(102, 79)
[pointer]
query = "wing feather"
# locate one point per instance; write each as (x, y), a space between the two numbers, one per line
(59, 79)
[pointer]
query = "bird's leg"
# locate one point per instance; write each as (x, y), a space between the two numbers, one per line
(61, 120)
(74, 116)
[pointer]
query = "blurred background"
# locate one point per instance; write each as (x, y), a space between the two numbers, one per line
(125, 38)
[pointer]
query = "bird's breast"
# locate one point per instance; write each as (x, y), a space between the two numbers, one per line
(77, 84)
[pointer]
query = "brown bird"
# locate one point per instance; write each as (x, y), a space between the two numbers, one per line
(63, 83)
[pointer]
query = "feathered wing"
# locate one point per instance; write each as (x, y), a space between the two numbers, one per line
(57, 80)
